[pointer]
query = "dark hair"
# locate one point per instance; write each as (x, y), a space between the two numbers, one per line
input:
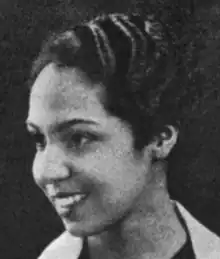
(133, 59)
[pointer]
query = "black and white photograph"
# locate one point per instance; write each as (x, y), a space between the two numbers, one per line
(110, 129)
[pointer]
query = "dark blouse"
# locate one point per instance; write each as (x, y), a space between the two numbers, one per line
(186, 252)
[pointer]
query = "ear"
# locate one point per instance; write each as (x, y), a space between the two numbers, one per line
(164, 143)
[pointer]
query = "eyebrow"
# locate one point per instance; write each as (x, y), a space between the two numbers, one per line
(60, 126)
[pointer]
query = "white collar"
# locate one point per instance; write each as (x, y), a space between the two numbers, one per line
(206, 244)
(65, 246)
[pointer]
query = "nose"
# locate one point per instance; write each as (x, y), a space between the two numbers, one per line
(52, 165)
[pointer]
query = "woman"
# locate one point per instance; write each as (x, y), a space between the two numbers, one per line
(105, 114)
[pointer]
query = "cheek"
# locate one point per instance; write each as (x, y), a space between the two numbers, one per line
(118, 192)
(126, 183)
(115, 165)
(117, 178)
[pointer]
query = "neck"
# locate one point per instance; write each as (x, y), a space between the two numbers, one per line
(151, 230)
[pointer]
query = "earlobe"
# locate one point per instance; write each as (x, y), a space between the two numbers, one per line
(165, 142)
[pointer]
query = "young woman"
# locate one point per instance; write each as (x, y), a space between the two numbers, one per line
(105, 114)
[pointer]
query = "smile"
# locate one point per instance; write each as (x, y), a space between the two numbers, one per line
(66, 204)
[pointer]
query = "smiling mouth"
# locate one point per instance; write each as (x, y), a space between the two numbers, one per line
(65, 204)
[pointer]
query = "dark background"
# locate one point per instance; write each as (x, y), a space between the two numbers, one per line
(27, 222)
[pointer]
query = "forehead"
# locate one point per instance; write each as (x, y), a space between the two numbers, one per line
(63, 94)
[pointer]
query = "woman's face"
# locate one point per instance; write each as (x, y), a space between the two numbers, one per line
(85, 162)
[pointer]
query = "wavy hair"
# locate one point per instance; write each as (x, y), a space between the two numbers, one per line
(133, 58)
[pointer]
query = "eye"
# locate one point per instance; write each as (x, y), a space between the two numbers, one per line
(39, 140)
(80, 140)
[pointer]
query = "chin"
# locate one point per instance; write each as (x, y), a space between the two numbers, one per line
(82, 229)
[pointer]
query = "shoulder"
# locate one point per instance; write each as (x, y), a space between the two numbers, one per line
(206, 244)
(65, 246)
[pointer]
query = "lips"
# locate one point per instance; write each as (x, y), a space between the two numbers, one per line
(66, 202)
(62, 195)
